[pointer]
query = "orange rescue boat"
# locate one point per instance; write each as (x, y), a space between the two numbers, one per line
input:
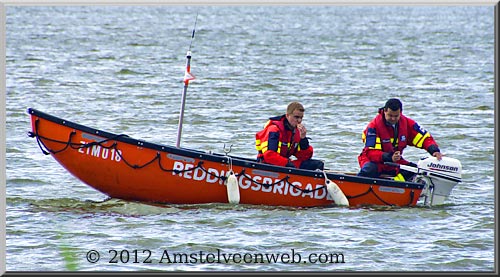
(130, 169)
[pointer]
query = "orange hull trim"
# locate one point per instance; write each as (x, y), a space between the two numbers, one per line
(130, 169)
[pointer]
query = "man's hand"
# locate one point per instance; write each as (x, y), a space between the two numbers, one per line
(438, 155)
(396, 156)
(302, 130)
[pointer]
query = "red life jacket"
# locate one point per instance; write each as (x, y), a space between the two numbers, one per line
(386, 133)
(377, 137)
(288, 142)
(385, 140)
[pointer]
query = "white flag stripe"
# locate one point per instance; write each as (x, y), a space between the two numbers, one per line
(188, 76)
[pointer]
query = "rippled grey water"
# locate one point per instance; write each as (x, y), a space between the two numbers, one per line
(120, 69)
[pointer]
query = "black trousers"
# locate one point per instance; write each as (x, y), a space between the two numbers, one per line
(312, 164)
(370, 170)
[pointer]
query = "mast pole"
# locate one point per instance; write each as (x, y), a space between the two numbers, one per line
(183, 100)
(187, 77)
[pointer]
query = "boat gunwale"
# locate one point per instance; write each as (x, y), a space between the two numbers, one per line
(223, 158)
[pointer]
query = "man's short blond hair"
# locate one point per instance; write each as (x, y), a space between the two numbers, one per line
(294, 106)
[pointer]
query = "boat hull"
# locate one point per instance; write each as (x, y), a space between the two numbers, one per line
(130, 169)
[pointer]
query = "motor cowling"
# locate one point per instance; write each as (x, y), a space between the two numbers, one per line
(441, 176)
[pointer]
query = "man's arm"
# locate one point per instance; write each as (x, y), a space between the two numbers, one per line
(373, 146)
(305, 151)
(271, 155)
(421, 138)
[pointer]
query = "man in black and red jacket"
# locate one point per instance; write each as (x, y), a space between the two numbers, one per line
(385, 138)
(285, 136)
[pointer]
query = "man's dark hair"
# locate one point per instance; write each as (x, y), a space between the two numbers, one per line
(393, 104)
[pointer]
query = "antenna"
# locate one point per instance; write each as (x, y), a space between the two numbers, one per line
(187, 77)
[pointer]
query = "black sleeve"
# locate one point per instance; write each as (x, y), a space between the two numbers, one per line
(272, 142)
(304, 143)
(387, 157)
(432, 149)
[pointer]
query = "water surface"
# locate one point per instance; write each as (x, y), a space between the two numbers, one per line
(120, 69)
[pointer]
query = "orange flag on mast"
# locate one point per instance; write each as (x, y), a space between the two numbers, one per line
(188, 76)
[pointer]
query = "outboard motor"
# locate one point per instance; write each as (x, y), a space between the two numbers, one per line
(440, 178)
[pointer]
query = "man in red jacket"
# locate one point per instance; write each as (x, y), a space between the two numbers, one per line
(283, 137)
(385, 138)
